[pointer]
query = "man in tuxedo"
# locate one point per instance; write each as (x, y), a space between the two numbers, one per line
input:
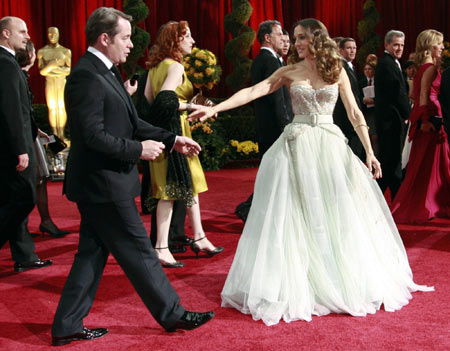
(444, 99)
(102, 178)
(391, 110)
(272, 112)
(347, 48)
(17, 158)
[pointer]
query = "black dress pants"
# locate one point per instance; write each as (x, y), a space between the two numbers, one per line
(114, 228)
(17, 199)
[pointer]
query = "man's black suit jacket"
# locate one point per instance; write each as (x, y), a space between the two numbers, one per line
(444, 99)
(272, 112)
(17, 127)
(103, 123)
(391, 92)
(340, 117)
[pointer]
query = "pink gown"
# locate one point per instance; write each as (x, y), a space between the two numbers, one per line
(425, 191)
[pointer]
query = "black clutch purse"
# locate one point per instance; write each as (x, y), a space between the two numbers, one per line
(57, 146)
(436, 121)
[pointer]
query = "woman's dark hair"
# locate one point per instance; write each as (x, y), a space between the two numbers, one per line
(23, 56)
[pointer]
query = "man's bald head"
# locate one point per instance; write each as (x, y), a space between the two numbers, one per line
(13, 33)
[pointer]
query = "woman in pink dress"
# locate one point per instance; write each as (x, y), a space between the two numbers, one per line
(425, 192)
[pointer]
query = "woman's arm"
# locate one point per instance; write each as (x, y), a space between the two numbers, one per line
(358, 122)
(173, 80)
(425, 84)
(244, 96)
(148, 93)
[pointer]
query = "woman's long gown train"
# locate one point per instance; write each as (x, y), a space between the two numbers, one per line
(319, 237)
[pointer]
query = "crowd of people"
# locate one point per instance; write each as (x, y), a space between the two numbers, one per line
(319, 236)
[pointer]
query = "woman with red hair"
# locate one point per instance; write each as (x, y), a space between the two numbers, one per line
(174, 176)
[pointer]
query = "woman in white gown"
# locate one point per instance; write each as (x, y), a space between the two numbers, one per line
(319, 237)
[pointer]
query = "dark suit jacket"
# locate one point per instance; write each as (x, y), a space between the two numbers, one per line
(340, 117)
(444, 99)
(272, 112)
(17, 127)
(103, 124)
(391, 92)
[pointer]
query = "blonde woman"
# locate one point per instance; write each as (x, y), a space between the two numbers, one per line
(424, 193)
(319, 237)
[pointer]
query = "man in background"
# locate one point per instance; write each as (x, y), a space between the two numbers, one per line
(391, 110)
(347, 49)
(274, 111)
(17, 159)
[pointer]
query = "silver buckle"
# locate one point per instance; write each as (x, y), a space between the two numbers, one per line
(314, 120)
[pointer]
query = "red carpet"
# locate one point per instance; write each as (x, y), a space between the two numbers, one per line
(29, 299)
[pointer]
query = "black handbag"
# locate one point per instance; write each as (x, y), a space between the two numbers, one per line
(436, 121)
(57, 146)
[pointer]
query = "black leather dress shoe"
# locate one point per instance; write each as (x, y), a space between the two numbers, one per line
(191, 320)
(85, 334)
(24, 266)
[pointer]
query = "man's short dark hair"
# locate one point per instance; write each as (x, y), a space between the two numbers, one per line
(343, 41)
(264, 28)
(103, 20)
(285, 32)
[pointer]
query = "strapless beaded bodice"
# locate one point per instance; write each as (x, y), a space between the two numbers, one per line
(306, 100)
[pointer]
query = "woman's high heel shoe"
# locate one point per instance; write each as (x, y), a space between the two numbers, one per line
(197, 249)
(176, 264)
(54, 232)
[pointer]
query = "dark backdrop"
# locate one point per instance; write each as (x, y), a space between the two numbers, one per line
(206, 21)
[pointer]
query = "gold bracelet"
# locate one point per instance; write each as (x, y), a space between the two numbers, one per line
(361, 125)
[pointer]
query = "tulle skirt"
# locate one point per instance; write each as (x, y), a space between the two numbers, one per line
(319, 237)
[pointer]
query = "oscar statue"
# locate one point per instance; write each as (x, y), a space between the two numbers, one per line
(54, 64)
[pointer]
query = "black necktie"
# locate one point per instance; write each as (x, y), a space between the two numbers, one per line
(117, 74)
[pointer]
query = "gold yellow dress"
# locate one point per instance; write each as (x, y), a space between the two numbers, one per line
(158, 167)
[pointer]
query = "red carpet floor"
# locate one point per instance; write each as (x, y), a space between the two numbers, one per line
(28, 300)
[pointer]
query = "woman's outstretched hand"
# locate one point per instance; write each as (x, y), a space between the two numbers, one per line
(374, 166)
(202, 113)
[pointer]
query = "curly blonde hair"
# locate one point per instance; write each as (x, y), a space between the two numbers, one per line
(321, 47)
(424, 43)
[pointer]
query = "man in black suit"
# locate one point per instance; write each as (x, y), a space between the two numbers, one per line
(391, 110)
(272, 112)
(102, 178)
(444, 99)
(17, 158)
(347, 48)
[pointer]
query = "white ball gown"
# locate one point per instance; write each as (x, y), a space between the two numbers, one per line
(319, 237)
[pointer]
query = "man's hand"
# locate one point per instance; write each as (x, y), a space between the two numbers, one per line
(186, 146)
(369, 101)
(151, 149)
(23, 162)
(42, 134)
